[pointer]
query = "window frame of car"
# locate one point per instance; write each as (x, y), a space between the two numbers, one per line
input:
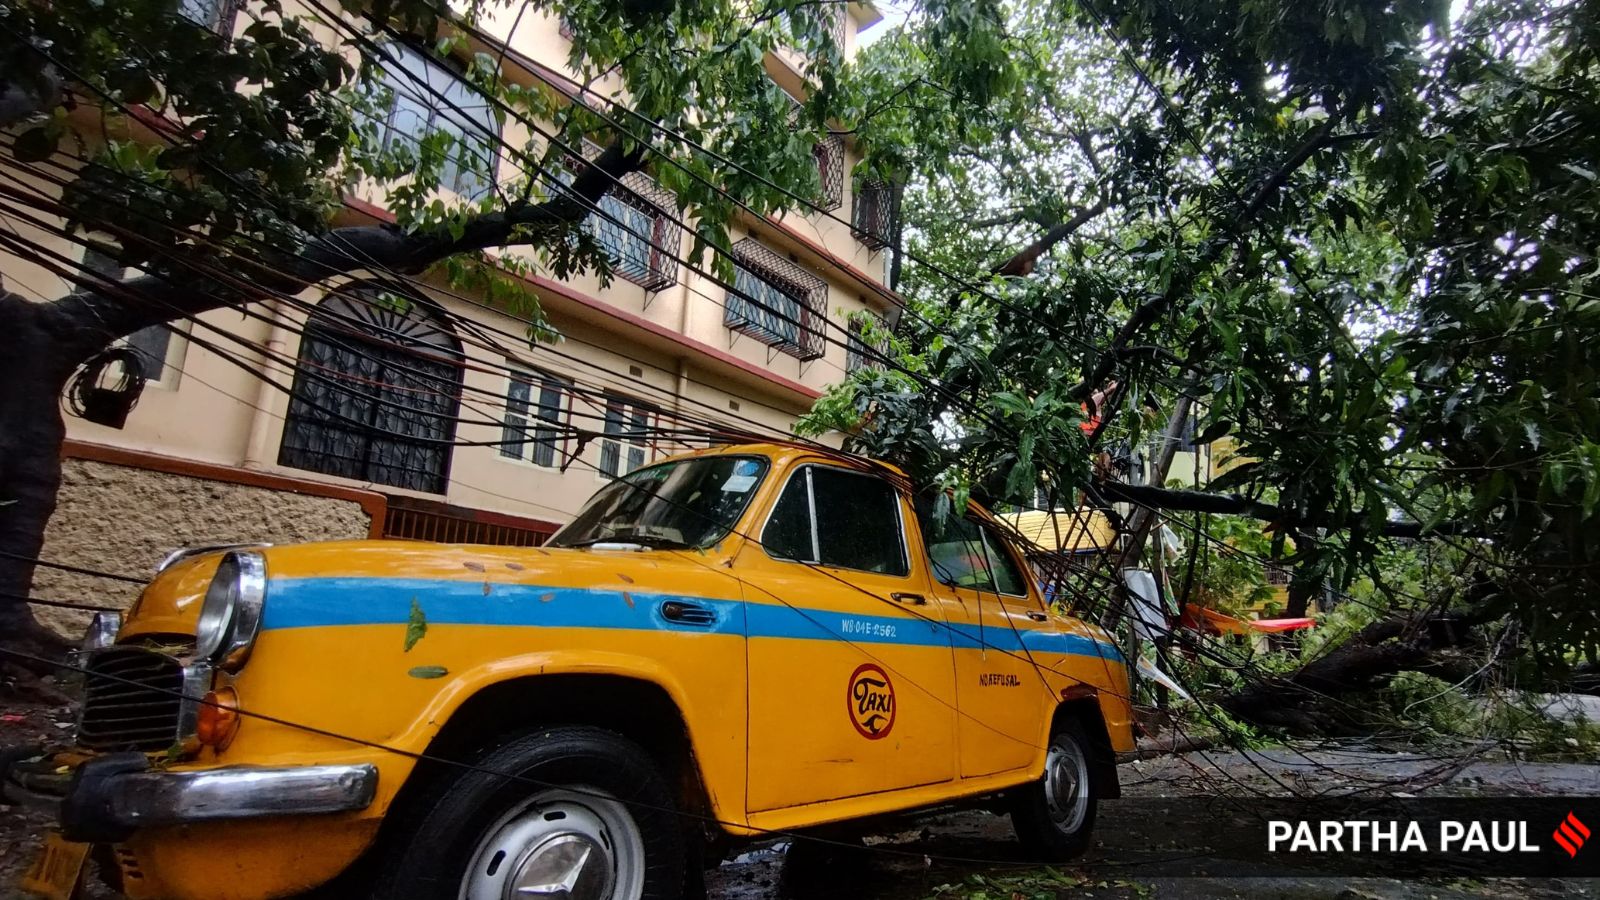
(992, 534)
(988, 533)
(805, 467)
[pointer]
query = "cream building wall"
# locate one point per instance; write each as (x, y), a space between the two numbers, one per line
(670, 349)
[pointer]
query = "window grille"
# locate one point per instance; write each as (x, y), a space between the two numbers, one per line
(877, 207)
(829, 153)
(835, 16)
(864, 350)
(217, 15)
(776, 301)
(420, 520)
(635, 224)
(376, 389)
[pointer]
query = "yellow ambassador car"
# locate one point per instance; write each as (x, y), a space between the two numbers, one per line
(725, 644)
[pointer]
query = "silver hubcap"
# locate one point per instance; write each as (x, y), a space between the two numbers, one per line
(1066, 784)
(559, 845)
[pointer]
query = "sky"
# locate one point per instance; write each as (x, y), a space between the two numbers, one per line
(894, 12)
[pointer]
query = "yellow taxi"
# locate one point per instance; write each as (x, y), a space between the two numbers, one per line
(719, 646)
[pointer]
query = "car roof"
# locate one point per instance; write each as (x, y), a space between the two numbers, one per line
(785, 451)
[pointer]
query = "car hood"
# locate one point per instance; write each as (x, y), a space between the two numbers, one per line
(170, 605)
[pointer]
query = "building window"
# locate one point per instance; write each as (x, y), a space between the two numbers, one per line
(536, 418)
(376, 390)
(427, 96)
(217, 15)
(624, 446)
(634, 224)
(877, 206)
(161, 348)
(830, 16)
(776, 301)
(638, 233)
(865, 347)
(829, 154)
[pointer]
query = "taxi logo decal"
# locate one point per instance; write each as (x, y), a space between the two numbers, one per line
(871, 702)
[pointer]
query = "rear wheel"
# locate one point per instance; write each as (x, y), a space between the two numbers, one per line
(586, 817)
(1054, 816)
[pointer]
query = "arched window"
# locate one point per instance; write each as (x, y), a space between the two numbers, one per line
(427, 95)
(376, 391)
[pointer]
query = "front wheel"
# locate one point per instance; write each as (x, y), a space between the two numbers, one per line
(585, 815)
(1054, 816)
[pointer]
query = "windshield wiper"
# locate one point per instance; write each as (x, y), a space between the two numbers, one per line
(629, 537)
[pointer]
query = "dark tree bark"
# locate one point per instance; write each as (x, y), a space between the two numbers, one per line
(1235, 505)
(42, 344)
(1309, 700)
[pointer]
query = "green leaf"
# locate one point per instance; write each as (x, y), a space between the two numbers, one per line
(1011, 402)
(416, 625)
(1556, 474)
(1213, 431)
(428, 672)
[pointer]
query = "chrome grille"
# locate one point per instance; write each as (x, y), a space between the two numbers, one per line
(133, 700)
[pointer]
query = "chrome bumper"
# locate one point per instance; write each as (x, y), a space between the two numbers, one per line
(106, 798)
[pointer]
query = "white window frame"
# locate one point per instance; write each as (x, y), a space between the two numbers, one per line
(632, 413)
(527, 453)
(443, 77)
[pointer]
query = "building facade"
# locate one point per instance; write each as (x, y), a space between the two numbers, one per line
(436, 417)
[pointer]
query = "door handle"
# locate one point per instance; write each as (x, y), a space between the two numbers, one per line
(1038, 617)
(903, 597)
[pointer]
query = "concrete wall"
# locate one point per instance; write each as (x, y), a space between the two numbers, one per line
(123, 520)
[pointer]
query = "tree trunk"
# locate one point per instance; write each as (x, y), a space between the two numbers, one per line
(1308, 701)
(35, 363)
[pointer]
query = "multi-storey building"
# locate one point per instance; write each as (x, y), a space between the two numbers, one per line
(447, 423)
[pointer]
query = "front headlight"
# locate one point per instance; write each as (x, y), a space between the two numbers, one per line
(102, 633)
(230, 615)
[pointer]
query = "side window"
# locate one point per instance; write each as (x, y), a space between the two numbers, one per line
(965, 553)
(837, 518)
(1008, 578)
(955, 550)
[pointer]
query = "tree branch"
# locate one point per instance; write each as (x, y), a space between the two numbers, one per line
(1025, 260)
(1147, 312)
(86, 319)
(1236, 505)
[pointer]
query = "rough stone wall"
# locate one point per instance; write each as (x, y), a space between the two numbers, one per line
(124, 520)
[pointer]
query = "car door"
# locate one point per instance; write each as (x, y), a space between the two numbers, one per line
(851, 686)
(1003, 689)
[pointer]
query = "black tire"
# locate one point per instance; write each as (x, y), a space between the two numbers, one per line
(1051, 827)
(430, 842)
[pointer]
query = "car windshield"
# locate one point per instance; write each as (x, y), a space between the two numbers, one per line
(690, 503)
